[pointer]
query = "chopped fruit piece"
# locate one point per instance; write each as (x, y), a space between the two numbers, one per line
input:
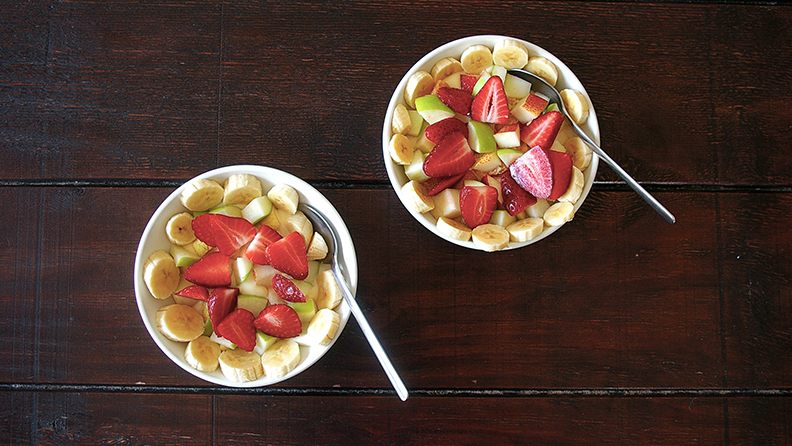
(440, 129)
(443, 183)
(515, 198)
(452, 156)
(280, 321)
(432, 109)
(467, 82)
(543, 130)
(490, 104)
(231, 233)
(212, 270)
(529, 108)
(456, 99)
(482, 138)
(286, 289)
(222, 300)
(533, 172)
(238, 328)
(257, 250)
(562, 173)
(196, 292)
(202, 227)
(508, 137)
(477, 204)
(287, 255)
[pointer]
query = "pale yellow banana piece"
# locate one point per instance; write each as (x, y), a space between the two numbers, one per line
(202, 195)
(575, 189)
(445, 67)
(202, 354)
(298, 222)
(489, 237)
(414, 195)
(317, 248)
(525, 229)
(180, 323)
(284, 197)
(543, 68)
(179, 229)
(419, 84)
(475, 59)
(510, 54)
(401, 149)
(241, 366)
(402, 122)
(322, 328)
(161, 274)
(281, 358)
(559, 213)
(575, 104)
(579, 151)
(240, 188)
(454, 229)
(329, 295)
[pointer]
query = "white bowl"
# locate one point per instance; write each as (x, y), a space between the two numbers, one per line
(154, 238)
(566, 79)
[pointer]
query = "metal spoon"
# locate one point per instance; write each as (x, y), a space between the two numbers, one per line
(540, 85)
(331, 237)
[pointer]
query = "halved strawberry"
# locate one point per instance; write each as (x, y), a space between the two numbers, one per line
(238, 328)
(286, 289)
(533, 172)
(543, 130)
(287, 255)
(196, 292)
(440, 129)
(212, 270)
(280, 321)
(203, 229)
(477, 204)
(490, 104)
(441, 184)
(449, 157)
(232, 233)
(562, 172)
(256, 251)
(515, 198)
(456, 99)
(222, 300)
(467, 82)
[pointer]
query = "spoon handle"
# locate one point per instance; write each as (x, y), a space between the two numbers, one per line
(397, 383)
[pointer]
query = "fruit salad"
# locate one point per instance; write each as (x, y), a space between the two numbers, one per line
(245, 279)
(486, 157)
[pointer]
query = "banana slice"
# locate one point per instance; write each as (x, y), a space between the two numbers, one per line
(179, 229)
(559, 213)
(575, 189)
(454, 229)
(414, 195)
(329, 295)
(401, 149)
(401, 123)
(180, 323)
(284, 197)
(510, 54)
(445, 67)
(490, 237)
(202, 354)
(161, 274)
(300, 223)
(317, 249)
(475, 59)
(281, 358)
(322, 328)
(576, 105)
(201, 195)
(579, 151)
(543, 68)
(525, 229)
(241, 188)
(241, 366)
(419, 84)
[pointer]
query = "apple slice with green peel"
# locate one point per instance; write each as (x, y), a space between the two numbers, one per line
(508, 155)
(432, 109)
(501, 217)
(183, 256)
(263, 342)
(229, 210)
(242, 268)
(306, 310)
(416, 123)
(499, 71)
(414, 170)
(250, 287)
(252, 303)
(481, 137)
(487, 162)
(257, 209)
(516, 87)
(208, 329)
(222, 341)
(485, 75)
(262, 274)
(313, 271)
(508, 137)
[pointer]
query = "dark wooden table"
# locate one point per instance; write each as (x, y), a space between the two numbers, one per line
(619, 329)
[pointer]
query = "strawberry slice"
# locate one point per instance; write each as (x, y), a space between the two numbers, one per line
(238, 328)
(280, 321)
(490, 104)
(449, 157)
(562, 172)
(440, 184)
(232, 233)
(256, 252)
(468, 82)
(533, 172)
(203, 229)
(212, 270)
(286, 289)
(287, 255)
(515, 198)
(196, 292)
(222, 300)
(543, 130)
(477, 204)
(456, 99)
(440, 129)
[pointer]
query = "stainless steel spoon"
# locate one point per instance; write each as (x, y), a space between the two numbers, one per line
(331, 237)
(541, 86)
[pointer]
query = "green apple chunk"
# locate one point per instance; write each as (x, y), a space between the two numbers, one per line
(251, 287)
(416, 121)
(183, 256)
(414, 170)
(252, 303)
(306, 310)
(481, 137)
(516, 87)
(257, 209)
(263, 342)
(229, 210)
(242, 268)
(432, 109)
(509, 155)
(485, 75)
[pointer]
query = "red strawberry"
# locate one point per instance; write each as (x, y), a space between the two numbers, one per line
(231, 233)
(477, 204)
(456, 99)
(440, 184)
(196, 292)
(238, 328)
(468, 81)
(212, 270)
(203, 229)
(437, 131)
(280, 321)
(450, 157)
(533, 172)
(562, 172)
(515, 198)
(256, 252)
(287, 255)
(222, 300)
(286, 289)
(543, 130)
(490, 104)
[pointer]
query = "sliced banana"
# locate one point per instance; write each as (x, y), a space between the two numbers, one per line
(419, 84)
(543, 68)
(579, 151)
(322, 328)
(414, 195)
(489, 237)
(475, 59)
(202, 354)
(281, 358)
(241, 188)
(180, 323)
(445, 67)
(329, 294)
(201, 195)
(576, 105)
(510, 54)
(284, 197)
(179, 229)
(298, 222)
(241, 366)
(559, 213)
(401, 149)
(454, 229)
(575, 189)
(317, 248)
(161, 274)
(525, 229)
(402, 122)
